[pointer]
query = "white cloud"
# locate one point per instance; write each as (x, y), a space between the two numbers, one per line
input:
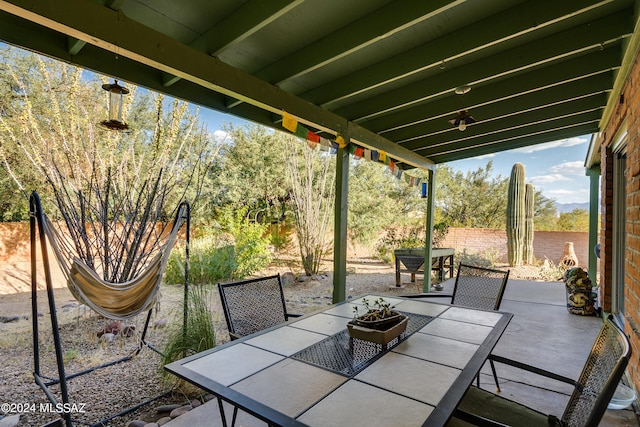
(220, 135)
(548, 179)
(568, 196)
(568, 142)
(485, 156)
(569, 168)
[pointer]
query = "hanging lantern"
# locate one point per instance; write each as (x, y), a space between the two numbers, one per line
(115, 107)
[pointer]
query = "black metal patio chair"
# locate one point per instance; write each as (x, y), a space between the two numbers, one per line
(253, 305)
(476, 287)
(587, 404)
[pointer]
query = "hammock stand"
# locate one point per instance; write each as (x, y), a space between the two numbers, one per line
(151, 278)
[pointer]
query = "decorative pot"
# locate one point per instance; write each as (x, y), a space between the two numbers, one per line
(380, 324)
(383, 334)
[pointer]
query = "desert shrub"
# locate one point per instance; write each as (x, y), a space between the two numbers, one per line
(250, 240)
(280, 237)
(408, 238)
(199, 332)
(485, 259)
(251, 248)
(211, 259)
(235, 249)
(551, 272)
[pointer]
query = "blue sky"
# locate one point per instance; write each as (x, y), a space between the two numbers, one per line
(555, 168)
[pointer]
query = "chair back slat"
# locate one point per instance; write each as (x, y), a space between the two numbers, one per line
(479, 287)
(600, 376)
(253, 305)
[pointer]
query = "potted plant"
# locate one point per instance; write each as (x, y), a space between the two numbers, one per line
(379, 323)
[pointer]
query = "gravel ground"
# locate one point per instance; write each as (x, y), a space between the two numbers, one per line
(107, 391)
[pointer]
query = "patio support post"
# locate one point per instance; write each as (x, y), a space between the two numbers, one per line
(431, 190)
(340, 226)
(594, 192)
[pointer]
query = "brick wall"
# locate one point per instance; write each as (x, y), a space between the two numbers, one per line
(549, 244)
(626, 111)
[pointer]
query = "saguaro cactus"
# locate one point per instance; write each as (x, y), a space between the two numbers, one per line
(529, 199)
(516, 215)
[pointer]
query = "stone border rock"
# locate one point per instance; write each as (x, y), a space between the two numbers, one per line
(168, 412)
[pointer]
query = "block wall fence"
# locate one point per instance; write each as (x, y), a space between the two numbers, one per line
(14, 242)
(549, 244)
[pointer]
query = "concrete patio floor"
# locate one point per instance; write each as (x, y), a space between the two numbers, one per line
(542, 333)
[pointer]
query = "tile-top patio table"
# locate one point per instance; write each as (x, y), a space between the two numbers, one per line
(309, 372)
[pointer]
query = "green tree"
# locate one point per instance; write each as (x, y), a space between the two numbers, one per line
(545, 213)
(474, 200)
(478, 199)
(48, 134)
(371, 203)
(576, 220)
(251, 173)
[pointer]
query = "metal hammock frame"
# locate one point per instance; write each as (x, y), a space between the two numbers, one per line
(150, 278)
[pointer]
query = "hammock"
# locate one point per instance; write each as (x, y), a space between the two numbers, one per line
(117, 301)
(113, 300)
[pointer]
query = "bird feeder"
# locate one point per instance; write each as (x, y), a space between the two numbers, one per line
(115, 107)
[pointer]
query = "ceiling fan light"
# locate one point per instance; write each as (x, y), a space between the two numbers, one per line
(462, 120)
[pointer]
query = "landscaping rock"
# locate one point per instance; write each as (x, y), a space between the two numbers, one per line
(69, 306)
(108, 337)
(128, 330)
(110, 328)
(151, 425)
(160, 323)
(287, 279)
(180, 411)
(162, 421)
(136, 423)
(167, 408)
(195, 403)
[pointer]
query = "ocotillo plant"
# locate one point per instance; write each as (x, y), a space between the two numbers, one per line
(529, 198)
(516, 215)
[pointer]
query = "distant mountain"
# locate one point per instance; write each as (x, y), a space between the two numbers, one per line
(568, 207)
